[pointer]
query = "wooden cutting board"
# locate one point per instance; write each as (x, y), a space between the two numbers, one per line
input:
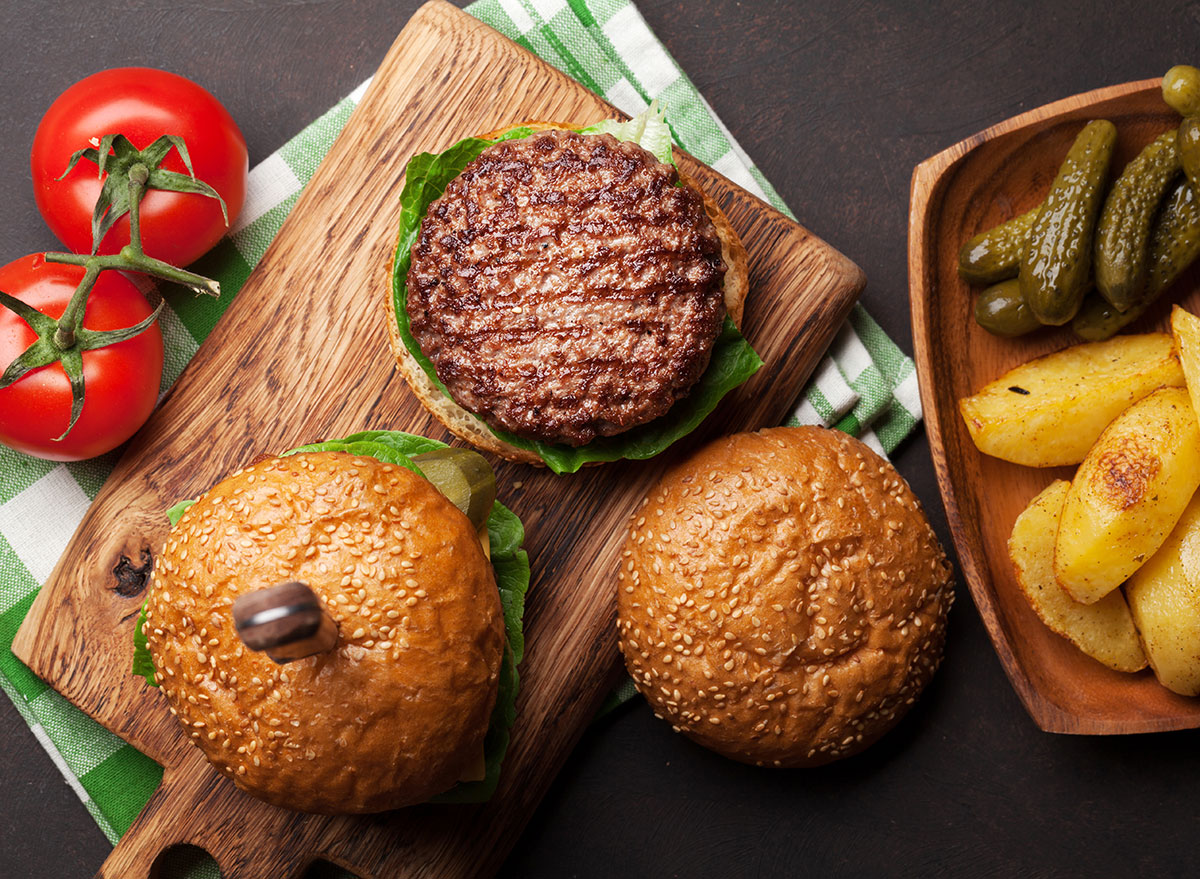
(302, 354)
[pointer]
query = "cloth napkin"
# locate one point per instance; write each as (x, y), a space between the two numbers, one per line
(865, 385)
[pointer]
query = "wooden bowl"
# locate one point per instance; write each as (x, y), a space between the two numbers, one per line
(974, 185)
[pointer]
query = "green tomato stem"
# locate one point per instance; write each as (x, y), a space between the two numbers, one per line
(139, 262)
(138, 175)
(72, 316)
(82, 259)
(131, 261)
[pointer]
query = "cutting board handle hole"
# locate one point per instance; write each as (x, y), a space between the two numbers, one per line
(131, 578)
(183, 859)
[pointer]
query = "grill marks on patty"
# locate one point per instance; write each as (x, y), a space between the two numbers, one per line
(565, 288)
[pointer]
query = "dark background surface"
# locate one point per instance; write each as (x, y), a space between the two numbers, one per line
(836, 102)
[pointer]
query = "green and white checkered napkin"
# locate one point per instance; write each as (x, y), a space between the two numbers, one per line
(865, 386)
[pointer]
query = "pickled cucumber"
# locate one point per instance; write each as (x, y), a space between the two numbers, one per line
(1057, 264)
(1181, 89)
(1174, 245)
(1001, 310)
(1187, 141)
(1123, 233)
(1098, 320)
(463, 476)
(1176, 241)
(994, 255)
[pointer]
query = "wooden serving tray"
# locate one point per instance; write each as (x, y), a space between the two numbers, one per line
(973, 185)
(302, 354)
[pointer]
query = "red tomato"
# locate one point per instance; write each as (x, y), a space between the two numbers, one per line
(120, 381)
(142, 104)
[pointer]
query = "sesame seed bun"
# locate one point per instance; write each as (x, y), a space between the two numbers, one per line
(397, 711)
(782, 598)
(471, 429)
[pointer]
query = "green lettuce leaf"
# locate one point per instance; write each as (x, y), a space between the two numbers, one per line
(648, 130)
(733, 360)
(512, 577)
(380, 451)
(143, 663)
(176, 512)
(406, 444)
(510, 563)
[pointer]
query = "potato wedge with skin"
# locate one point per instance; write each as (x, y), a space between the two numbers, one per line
(1185, 327)
(1164, 598)
(1128, 494)
(1104, 630)
(1048, 412)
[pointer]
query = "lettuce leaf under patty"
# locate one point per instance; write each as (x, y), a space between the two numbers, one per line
(509, 561)
(732, 362)
(648, 130)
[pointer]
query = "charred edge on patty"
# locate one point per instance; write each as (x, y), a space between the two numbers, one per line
(566, 287)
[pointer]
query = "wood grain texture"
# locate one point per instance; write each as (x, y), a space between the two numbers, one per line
(970, 187)
(302, 354)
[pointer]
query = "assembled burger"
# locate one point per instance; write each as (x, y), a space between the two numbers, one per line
(563, 296)
(407, 681)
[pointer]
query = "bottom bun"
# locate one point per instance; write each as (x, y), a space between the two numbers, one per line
(782, 598)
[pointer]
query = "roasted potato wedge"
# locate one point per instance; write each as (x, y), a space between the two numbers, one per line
(1049, 412)
(1185, 327)
(1164, 597)
(1104, 630)
(1128, 494)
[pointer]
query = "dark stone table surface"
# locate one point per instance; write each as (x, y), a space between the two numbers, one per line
(836, 101)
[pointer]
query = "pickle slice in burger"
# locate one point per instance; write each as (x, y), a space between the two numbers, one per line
(412, 698)
(463, 476)
(562, 296)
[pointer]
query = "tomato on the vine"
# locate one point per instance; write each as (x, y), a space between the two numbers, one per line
(121, 380)
(142, 104)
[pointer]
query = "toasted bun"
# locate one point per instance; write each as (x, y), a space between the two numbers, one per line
(466, 426)
(397, 711)
(782, 598)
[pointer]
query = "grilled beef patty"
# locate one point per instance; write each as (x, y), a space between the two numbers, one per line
(565, 287)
